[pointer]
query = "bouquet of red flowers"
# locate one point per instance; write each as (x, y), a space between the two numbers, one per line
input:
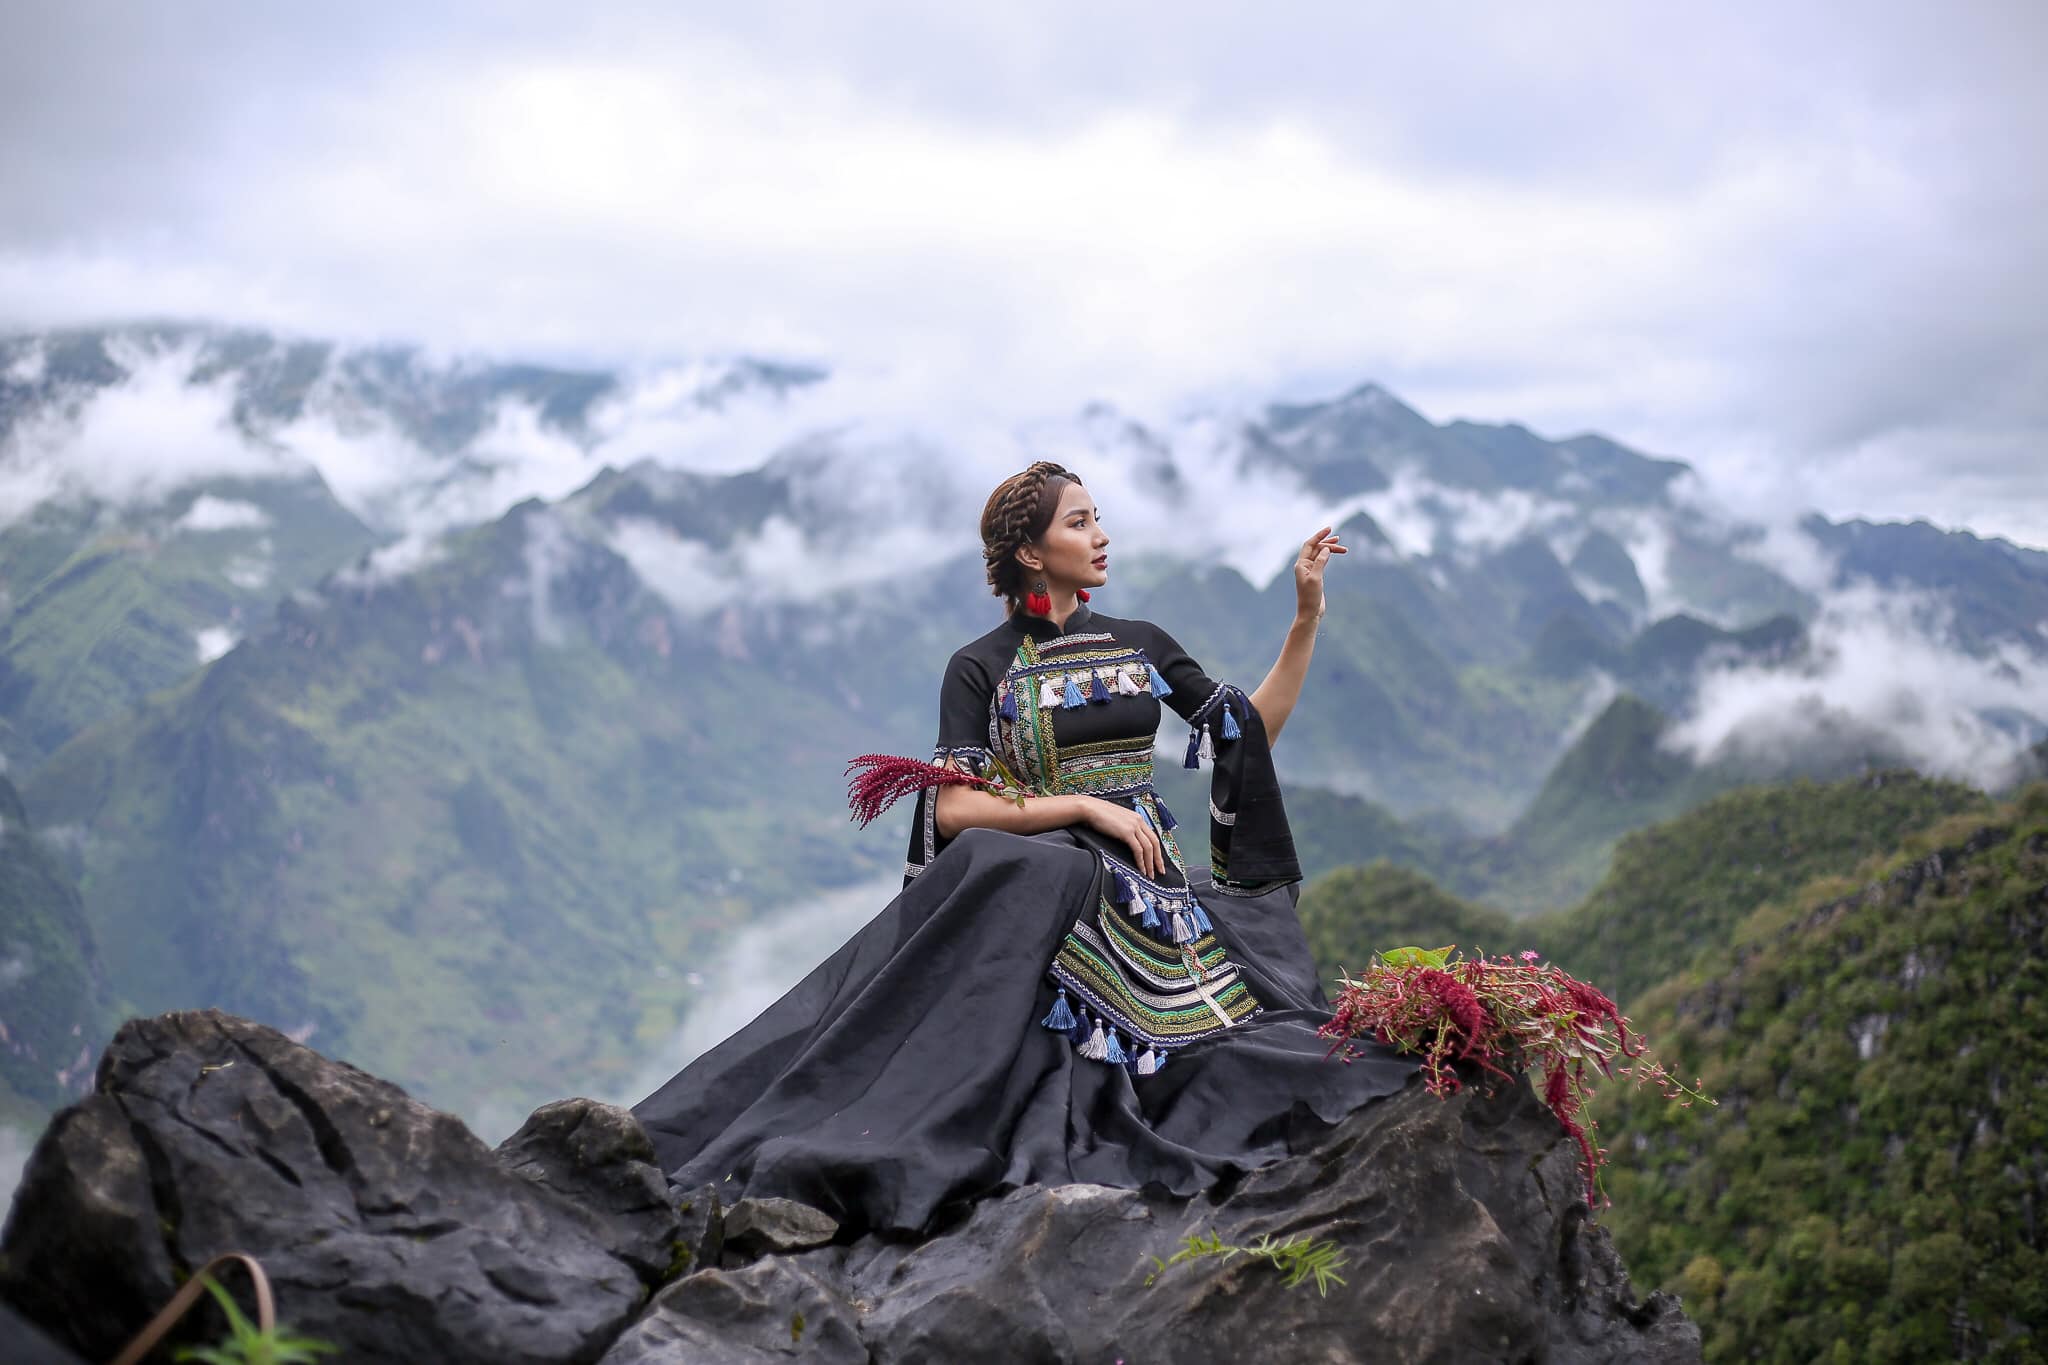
(1502, 1012)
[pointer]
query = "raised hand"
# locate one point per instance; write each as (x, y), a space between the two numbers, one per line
(1309, 599)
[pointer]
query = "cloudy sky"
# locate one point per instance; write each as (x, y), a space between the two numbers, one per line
(1802, 247)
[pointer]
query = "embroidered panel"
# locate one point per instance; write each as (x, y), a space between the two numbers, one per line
(1173, 1008)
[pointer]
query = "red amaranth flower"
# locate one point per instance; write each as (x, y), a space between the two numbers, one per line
(888, 778)
(1463, 1006)
(1487, 1009)
(1593, 1001)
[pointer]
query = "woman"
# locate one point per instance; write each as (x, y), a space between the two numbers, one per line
(1052, 998)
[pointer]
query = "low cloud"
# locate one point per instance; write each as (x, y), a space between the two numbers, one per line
(1884, 671)
(390, 562)
(214, 641)
(130, 443)
(1421, 516)
(209, 513)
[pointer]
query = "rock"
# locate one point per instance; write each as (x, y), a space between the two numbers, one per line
(26, 1344)
(87, 1229)
(1461, 1220)
(701, 1237)
(386, 1226)
(389, 1229)
(773, 1310)
(757, 1227)
(597, 1157)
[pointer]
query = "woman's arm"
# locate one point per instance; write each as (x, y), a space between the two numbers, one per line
(962, 808)
(971, 808)
(1274, 698)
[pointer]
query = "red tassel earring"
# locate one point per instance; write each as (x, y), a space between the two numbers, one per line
(1038, 601)
(1081, 593)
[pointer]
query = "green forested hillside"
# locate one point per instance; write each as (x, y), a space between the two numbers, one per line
(454, 829)
(53, 1005)
(1856, 970)
(99, 609)
(1354, 912)
(1682, 886)
(1872, 1184)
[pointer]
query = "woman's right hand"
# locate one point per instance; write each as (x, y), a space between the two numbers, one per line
(1128, 827)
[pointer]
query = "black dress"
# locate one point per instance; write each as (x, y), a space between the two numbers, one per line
(1032, 1009)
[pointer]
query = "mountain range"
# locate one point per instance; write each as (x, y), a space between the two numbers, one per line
(452, 713)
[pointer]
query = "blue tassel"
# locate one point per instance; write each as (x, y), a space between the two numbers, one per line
(1113, 1051)
(1072, 697)
(1166, 819)
(1200, 916)
(1159, 687)
(1098, 690)
(1230, 730)
(1119, 889)
(1009, 707)
(1080, 1033)
(1062, 1017)
(1151, 917)
(1193, 759)
(1159, 1062)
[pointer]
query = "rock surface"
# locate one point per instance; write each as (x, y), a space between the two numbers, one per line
(759, 1227)
(383, 1224)
(390, 1229)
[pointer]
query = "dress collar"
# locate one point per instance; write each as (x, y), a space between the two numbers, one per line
(1044, 628)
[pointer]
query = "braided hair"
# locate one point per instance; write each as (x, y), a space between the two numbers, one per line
(1017, 513)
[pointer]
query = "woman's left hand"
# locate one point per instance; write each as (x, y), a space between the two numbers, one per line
(1309, 599)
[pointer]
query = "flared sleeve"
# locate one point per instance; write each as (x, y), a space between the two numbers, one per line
(965, 695)
(1251, 845)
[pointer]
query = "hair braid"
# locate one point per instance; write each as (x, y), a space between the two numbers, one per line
(1017, 513)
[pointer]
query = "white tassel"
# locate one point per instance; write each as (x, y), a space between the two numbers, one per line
(1208, 750)
(1048, 695)
(1097, 1046)
(1148, 1063)
(1127, 684)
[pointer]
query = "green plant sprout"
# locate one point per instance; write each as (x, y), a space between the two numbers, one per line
(1297, 1257)
(248, 1344)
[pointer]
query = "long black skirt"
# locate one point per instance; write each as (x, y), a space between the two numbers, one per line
(909, 1072)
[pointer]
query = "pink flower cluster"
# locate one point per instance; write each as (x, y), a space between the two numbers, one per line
(1497, 1012)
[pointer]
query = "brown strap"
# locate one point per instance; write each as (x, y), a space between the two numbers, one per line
(187, 1295)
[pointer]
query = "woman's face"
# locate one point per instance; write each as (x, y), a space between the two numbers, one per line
(1070, 553)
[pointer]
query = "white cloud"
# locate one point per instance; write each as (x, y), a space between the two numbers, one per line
(1421, 516)
(1884, 665)
(1806, 251)
(388, 562)
(209, 513)
(214, 641)
(249, 572)
(129, 443)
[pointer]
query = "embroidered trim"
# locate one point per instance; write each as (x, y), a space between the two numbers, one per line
(1226, 818)
(1084, 965)
(1196, 716)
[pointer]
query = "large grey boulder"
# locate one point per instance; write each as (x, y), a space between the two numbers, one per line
(385, 1225)
(1462, 1221)
(598, 1158)
(391, 1230)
